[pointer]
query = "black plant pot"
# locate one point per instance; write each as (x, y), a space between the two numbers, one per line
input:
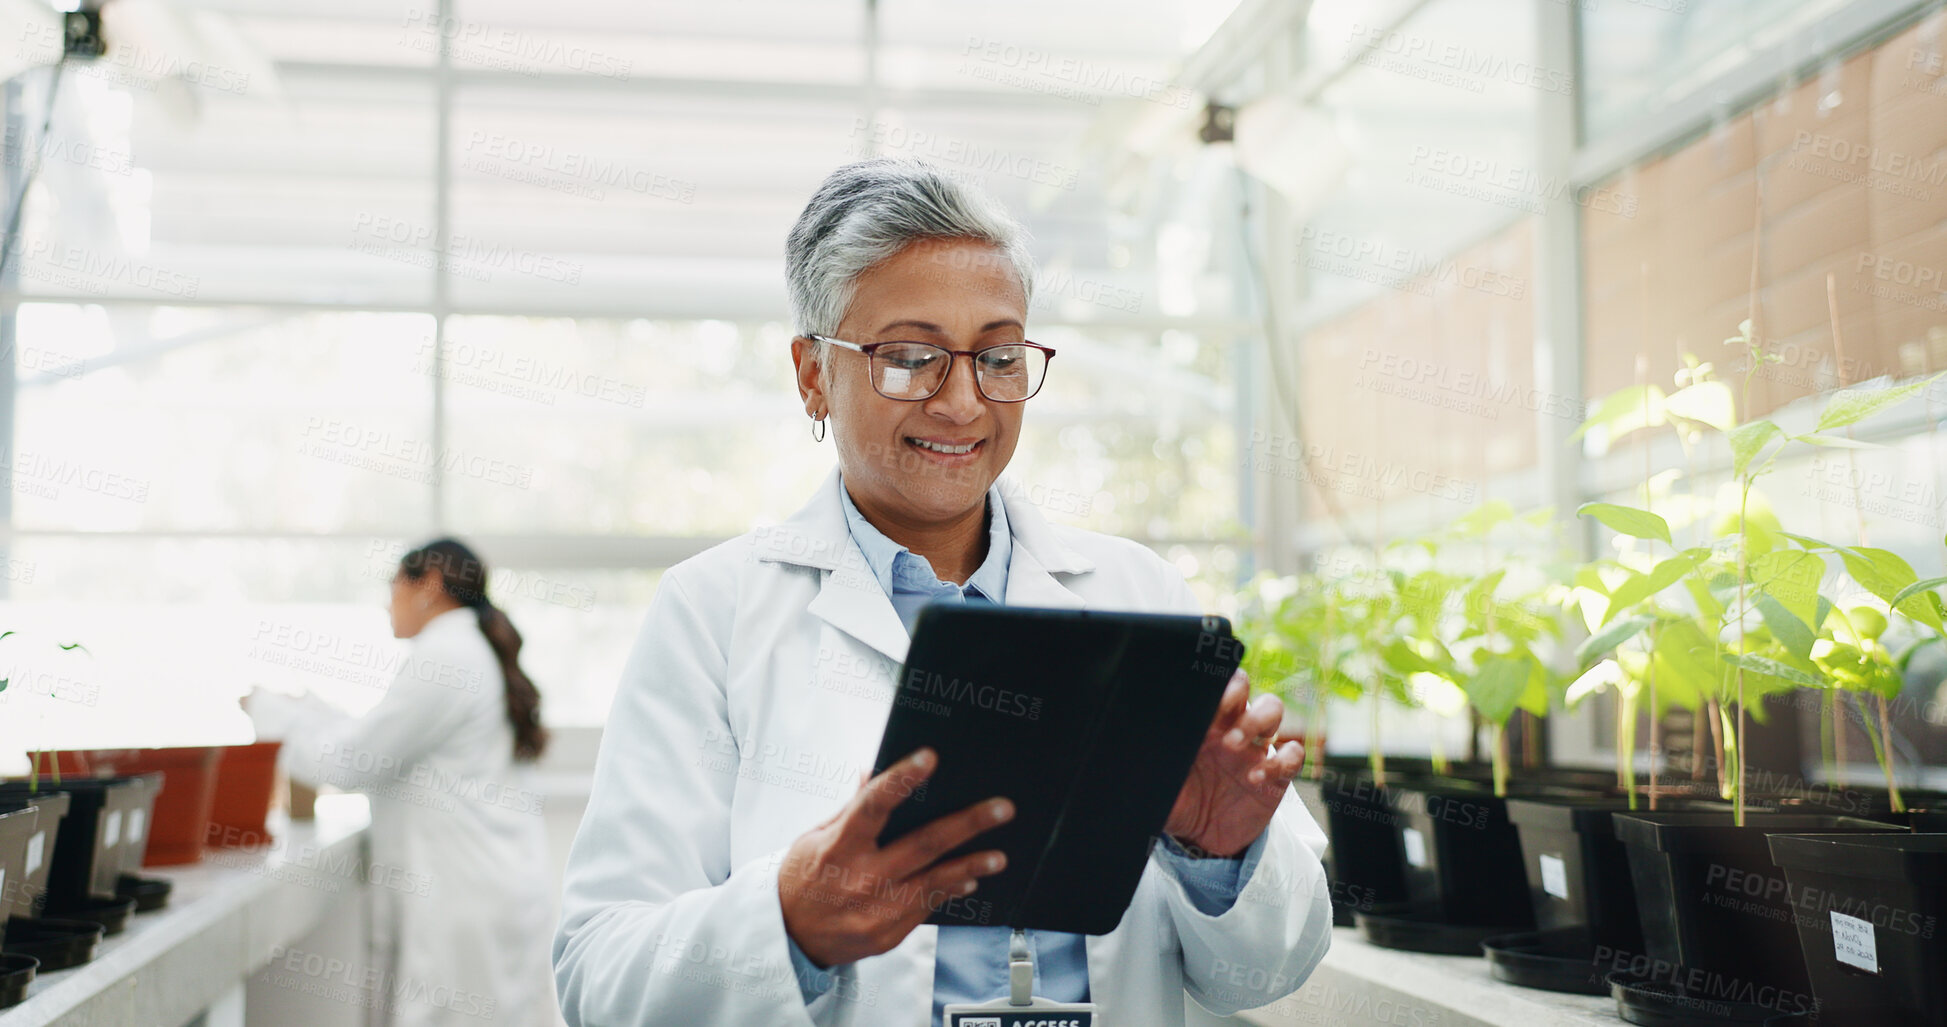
(1872, 924)
(1714, 906)
(1362, 864)
(16, 973)
(29, 891)
(93, 846)
(1461, 855)
(1580, 889)
(17, 822)
(58, 944)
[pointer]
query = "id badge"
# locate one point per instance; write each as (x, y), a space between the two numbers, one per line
(1039, 1013)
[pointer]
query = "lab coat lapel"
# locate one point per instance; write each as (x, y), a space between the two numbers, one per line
(849, 597)
(1038, 555)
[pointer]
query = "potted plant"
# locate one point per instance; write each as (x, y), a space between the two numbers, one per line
(1870, 911)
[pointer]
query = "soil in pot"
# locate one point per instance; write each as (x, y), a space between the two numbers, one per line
(1872, 924)
(1713, 905)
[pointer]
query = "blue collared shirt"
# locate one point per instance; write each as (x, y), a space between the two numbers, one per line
(970, 963)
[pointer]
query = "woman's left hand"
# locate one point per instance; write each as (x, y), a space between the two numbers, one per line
(1236, 783)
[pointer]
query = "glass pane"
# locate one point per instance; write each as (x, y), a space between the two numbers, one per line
(221, 419)
(1638, 58)
(254, 182)
(624, 427)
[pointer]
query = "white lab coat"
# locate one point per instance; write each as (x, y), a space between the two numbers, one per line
(756, 692)
(458, 849)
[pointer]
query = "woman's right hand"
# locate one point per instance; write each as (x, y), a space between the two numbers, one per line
(845, 898)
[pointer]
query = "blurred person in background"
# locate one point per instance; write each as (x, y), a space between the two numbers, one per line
(727, 870)
(458, 857)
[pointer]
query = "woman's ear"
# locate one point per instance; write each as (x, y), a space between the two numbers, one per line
(811, 377)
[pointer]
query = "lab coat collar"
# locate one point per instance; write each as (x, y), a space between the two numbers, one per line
(850, 597)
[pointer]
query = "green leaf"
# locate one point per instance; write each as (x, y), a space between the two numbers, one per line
(1685, 664)
(1836, 442)
(1604, 674)
(1638, 587)
(1795, 635)
(1850, 406)
(1809, 543)
(1886, 575)
(1610, 637)
(1748, 440)
(1792, 577)
(1915, 589)
(1484, 519)
(1534, 697)
(1769, 667)
(1627, 520)
(1706, 403)
(1403, 658)
(1622, 412)
(1495, 690)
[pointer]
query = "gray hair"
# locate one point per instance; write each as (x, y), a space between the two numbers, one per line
(864, 213)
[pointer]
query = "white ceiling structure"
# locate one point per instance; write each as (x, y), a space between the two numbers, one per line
(640, 159)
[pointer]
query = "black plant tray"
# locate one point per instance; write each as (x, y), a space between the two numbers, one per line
(16, 973)
(1562, 960)
(58, 944)
(1416, 931)
(1659, 1003)
(149, 893)
(111, 914)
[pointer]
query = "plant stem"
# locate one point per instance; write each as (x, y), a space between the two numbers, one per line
(1378, 754)
(1626, 744)
(1885, 753)
(1315, 737)
(1500, 759)
(1828, 710)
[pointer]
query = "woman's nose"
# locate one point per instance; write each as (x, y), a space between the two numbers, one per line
(959, 397)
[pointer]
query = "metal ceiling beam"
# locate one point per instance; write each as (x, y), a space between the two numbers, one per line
(850, 95)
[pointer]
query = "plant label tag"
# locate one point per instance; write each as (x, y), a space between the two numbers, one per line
(111, 835)
(1415, 846)
(36, 847)
(1852, 942)
(1042, 1013)
(136, 822)
(1554, 876)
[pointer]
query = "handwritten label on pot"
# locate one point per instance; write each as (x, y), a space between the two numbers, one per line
(112, 834)
(35, 849)
(1554, 876)
(136, 821)
(1415, 846)
(1852, 942)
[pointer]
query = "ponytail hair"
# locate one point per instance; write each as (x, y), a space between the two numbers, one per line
(463, 577)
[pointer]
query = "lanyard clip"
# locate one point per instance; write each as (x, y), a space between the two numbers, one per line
(1020, 970)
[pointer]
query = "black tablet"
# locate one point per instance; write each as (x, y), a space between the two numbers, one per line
(1088, 720)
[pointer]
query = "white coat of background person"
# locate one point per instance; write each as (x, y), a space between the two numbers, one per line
(458, 850)
(728, 845)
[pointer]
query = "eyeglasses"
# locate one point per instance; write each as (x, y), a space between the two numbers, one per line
(1008, 373)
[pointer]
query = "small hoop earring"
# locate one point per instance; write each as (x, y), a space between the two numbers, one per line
(817, 429)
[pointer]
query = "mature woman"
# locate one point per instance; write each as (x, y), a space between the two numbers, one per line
(458, 846)
(727, 870)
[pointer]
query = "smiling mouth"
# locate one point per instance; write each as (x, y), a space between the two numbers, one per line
(944, 448)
